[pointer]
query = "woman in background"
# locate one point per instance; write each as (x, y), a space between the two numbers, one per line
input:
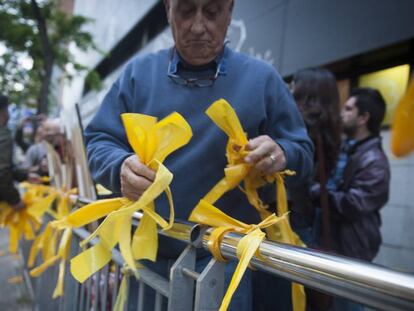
(316, 94)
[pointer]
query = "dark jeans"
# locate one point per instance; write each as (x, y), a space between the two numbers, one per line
(271, 293)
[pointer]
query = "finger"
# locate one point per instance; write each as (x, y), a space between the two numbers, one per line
(260, 152)
(133, 186)
(133, 181)
(139, 168)
(265, 165)
(271, 163)
(255, 142)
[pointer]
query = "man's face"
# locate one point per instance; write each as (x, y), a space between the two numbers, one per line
(199, 27)
(350, 117)
(52, 132)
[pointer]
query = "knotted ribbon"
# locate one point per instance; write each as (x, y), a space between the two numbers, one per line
(27, 221)
(237, 171)
(248, 246)
(47, 241)
(152, 141)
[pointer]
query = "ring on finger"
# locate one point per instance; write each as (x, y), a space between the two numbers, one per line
(273, 158)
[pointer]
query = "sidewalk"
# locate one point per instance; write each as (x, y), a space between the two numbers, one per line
(14, 296)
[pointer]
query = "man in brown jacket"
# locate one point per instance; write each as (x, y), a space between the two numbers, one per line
(360, 185)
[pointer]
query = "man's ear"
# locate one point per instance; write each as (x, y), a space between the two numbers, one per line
(364, 118)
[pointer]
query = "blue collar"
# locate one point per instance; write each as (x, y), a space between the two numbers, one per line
(220, 60)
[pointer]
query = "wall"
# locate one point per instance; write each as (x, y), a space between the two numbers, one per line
(397, 249)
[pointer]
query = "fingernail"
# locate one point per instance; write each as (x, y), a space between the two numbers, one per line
(247, 159)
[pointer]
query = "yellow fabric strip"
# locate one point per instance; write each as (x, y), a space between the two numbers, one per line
(90, 213)
(237, 171)
(207, 214)
(47, 241)
(122, 295)
(88, 262)
(152, 141)
(402, 134)
(116, 228)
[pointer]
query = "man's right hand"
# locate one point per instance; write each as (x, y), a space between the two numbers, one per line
(18, 206)
(135, 178)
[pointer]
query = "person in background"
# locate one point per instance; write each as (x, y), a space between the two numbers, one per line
(8, 173)
(35, 157)
(187, 78)
(316, 95)
(359, 187)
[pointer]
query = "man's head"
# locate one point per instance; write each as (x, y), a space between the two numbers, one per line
(363, 113)
(199, 27)
(52, 131)
(4, 111)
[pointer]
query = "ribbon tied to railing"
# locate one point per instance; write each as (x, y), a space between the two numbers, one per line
(27, 221)
(53, 244)
(238, 171)
(152, 142)
(248, 246)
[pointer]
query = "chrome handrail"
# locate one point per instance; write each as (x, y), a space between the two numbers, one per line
(362, 282)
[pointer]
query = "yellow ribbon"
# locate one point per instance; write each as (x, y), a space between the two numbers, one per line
(402, 135)
(48, 239)
(26, 221)
(248, 246)
(152, 141)
(237, 171)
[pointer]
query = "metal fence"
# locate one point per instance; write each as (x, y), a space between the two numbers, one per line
(185, 289)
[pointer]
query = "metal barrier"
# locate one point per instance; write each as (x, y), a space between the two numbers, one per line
(186, 289)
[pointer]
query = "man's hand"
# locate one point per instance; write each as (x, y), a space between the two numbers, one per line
(266, 155)
(135, 178)
(18, 206)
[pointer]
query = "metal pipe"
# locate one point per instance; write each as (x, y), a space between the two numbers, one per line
(362, 282)
(185, 231)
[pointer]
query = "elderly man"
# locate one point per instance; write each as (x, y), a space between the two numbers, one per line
(188, 78)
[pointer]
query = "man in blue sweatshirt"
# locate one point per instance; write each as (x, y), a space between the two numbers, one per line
(188, 78)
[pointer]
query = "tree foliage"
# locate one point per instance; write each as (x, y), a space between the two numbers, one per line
(35, 36)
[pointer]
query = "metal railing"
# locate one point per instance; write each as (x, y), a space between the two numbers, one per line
(185, 289)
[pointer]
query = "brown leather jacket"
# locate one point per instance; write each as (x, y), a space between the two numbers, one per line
(355, 206)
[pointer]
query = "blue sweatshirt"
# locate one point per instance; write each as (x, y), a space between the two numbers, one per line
(254, 89)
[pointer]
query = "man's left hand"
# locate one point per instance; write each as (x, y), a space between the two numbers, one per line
(265, 155)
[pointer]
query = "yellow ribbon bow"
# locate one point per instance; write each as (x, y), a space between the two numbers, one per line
(152, 141)
(48, 239)
(402, 135)
(237, 171)
(207, 214)
(26, 221)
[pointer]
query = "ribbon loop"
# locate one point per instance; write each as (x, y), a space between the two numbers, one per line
(152, 141)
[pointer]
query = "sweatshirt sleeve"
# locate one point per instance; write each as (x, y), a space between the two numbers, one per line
(106, 142)
(286, 127)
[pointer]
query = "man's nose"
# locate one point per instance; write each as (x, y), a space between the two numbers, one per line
(198, 26)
